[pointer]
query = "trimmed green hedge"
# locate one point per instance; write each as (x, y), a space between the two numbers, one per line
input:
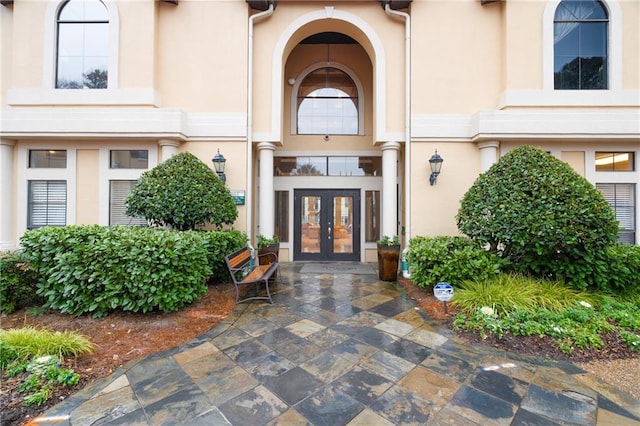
(219, 244)
(450, 259)
(94, 269)
(17, 283)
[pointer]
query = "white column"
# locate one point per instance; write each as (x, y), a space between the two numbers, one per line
(488, 154)
(168, 148)
(6, 192)
(266, 206)
(389, 189)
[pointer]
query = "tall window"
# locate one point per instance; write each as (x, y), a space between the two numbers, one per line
(580, 45)
(119, 190)
(372, 215)
(327, 103)
(282, 215)
(622, 198)
(47, 203)
(82, 50)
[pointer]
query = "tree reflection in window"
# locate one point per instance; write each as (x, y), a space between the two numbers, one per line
(580, 45)
(327, 103)
(82, 51)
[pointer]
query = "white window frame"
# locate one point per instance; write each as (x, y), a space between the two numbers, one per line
(296, 87)
(615, 176)
(48, 205)
(51, 45)
(614, 48)
(107, 174)
(25, 174)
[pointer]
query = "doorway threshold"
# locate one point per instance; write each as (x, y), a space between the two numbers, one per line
(338, 268)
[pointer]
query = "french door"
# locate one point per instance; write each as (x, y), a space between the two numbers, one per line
(326, 224)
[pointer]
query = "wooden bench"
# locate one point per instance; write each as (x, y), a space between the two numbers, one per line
(239, 263)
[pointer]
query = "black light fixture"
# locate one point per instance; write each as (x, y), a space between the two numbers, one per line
(435, 162)
(218, 165)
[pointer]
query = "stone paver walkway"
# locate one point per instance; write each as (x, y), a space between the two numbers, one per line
(343, 349)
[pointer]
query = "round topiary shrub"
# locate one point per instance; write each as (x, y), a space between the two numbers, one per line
(182, 193)
(537, 212)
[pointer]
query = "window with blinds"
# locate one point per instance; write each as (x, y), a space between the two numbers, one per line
(47, 203)
(622, 198)
(118, 192)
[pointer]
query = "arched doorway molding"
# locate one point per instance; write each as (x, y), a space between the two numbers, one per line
(293, 34)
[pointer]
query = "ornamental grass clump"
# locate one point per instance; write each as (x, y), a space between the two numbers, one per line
(506, 293)
(29, 342)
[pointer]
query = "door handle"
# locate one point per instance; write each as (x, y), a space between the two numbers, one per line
(329, 231)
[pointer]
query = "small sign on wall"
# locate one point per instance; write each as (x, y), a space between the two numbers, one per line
(238, 197)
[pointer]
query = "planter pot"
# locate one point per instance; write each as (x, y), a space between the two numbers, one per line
(388, 257)
(271, 248)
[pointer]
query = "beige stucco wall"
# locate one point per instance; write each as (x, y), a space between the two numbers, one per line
(6, 51)
(202, 55)
(28, 38)
(87, 186)
(522, 44)
(137, 47)
(457, 56)
(631, 44)
(575, 159)
(433, 208)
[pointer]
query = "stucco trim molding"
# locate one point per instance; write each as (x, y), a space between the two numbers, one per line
(530, 124)
(88, 97)
(122, 122)
(569, 98)
(277, 70)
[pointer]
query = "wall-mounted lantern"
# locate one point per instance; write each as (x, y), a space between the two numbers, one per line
(218, 164)
(435, 162)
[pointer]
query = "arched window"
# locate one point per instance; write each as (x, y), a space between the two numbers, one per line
(580, 40)
(327, 103)
(83, 45)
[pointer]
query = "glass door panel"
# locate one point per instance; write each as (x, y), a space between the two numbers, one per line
(326, 224)
(310, 223)
(343, 224)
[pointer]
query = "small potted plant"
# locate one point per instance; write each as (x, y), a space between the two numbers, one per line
(267, 245)
(388, 257)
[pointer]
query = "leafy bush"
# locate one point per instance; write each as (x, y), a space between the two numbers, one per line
(450, 259)
(535, 211)
(182, 193)
(622, 263)
(93, 269)
(17, 283)
(219, 244)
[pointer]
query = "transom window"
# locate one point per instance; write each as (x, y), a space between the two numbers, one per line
(128, 159)
(580, 39)
(615, 161)
(47, 159)
(327, 103)
(83, 45)
(328, 166)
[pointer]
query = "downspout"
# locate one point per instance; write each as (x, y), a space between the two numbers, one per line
(407, 117)
(249, 193)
